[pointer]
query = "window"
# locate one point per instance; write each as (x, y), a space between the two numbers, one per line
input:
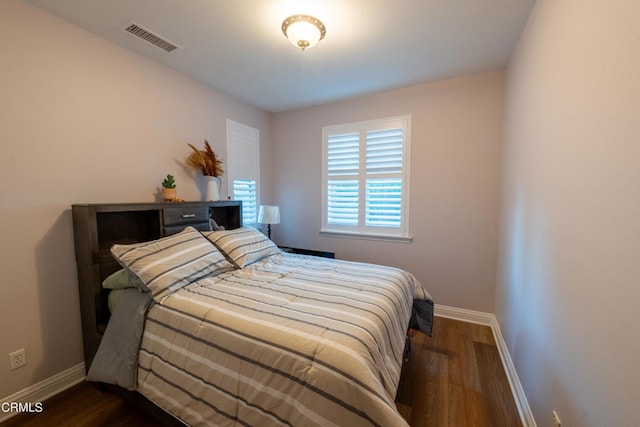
(243, 168)
(365, 183)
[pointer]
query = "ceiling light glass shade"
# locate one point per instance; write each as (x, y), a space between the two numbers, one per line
(303, 31)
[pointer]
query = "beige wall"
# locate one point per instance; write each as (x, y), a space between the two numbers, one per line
(456, 145)
(82, 120)
(567, 301)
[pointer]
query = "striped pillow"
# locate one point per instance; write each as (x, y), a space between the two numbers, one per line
(170, 263)
(244, 245)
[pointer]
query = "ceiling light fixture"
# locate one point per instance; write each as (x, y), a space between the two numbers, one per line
(303, 31)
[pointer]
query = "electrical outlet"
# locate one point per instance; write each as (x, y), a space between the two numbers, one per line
(555, 419)
(17, 359)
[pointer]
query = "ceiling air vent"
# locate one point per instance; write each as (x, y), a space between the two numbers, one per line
(149, 37)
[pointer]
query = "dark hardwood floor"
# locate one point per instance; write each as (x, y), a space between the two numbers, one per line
(455, 378)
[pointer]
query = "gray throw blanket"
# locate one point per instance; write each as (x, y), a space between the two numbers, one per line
(422, 316)
(116, 361)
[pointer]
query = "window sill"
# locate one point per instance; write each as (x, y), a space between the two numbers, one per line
(382, 237)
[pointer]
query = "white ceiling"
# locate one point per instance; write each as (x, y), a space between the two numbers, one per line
(237, 46)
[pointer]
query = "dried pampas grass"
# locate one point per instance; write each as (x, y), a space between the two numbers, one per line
(205, 160)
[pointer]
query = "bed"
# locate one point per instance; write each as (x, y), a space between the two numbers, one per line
(223, 328)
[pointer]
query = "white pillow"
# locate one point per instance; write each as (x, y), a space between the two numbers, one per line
(170, 263)
(244, 245)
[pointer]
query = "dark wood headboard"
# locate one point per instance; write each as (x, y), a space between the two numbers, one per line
(97, 227)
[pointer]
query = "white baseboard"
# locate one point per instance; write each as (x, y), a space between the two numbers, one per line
(464, 315)
(516, 387)
(45, 389)
(488, 319)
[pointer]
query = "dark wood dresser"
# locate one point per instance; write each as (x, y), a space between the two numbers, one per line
(97, 227)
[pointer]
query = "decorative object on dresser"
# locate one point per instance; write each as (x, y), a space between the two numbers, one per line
(97, 227)
(207, 162)
(269, 215)
(168, 188)
(213, 188)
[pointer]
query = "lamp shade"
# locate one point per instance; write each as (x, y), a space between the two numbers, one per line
(269, 214)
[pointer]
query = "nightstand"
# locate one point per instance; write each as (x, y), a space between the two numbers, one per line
(307, 252)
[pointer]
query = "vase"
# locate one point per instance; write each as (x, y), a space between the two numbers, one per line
(213, 189)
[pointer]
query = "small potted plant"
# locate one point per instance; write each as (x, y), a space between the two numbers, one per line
(168, 188)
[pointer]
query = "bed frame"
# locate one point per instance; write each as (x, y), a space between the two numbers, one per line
(96, 228)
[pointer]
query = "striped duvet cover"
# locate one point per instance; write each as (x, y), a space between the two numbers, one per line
(290, 340)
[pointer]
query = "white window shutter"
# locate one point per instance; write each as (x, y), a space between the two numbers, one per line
(384, 195)
(343, 157)
(245, 190)
(342, 202)
(384, 151)
(366, 178)
(243, 168)
(384, 203)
